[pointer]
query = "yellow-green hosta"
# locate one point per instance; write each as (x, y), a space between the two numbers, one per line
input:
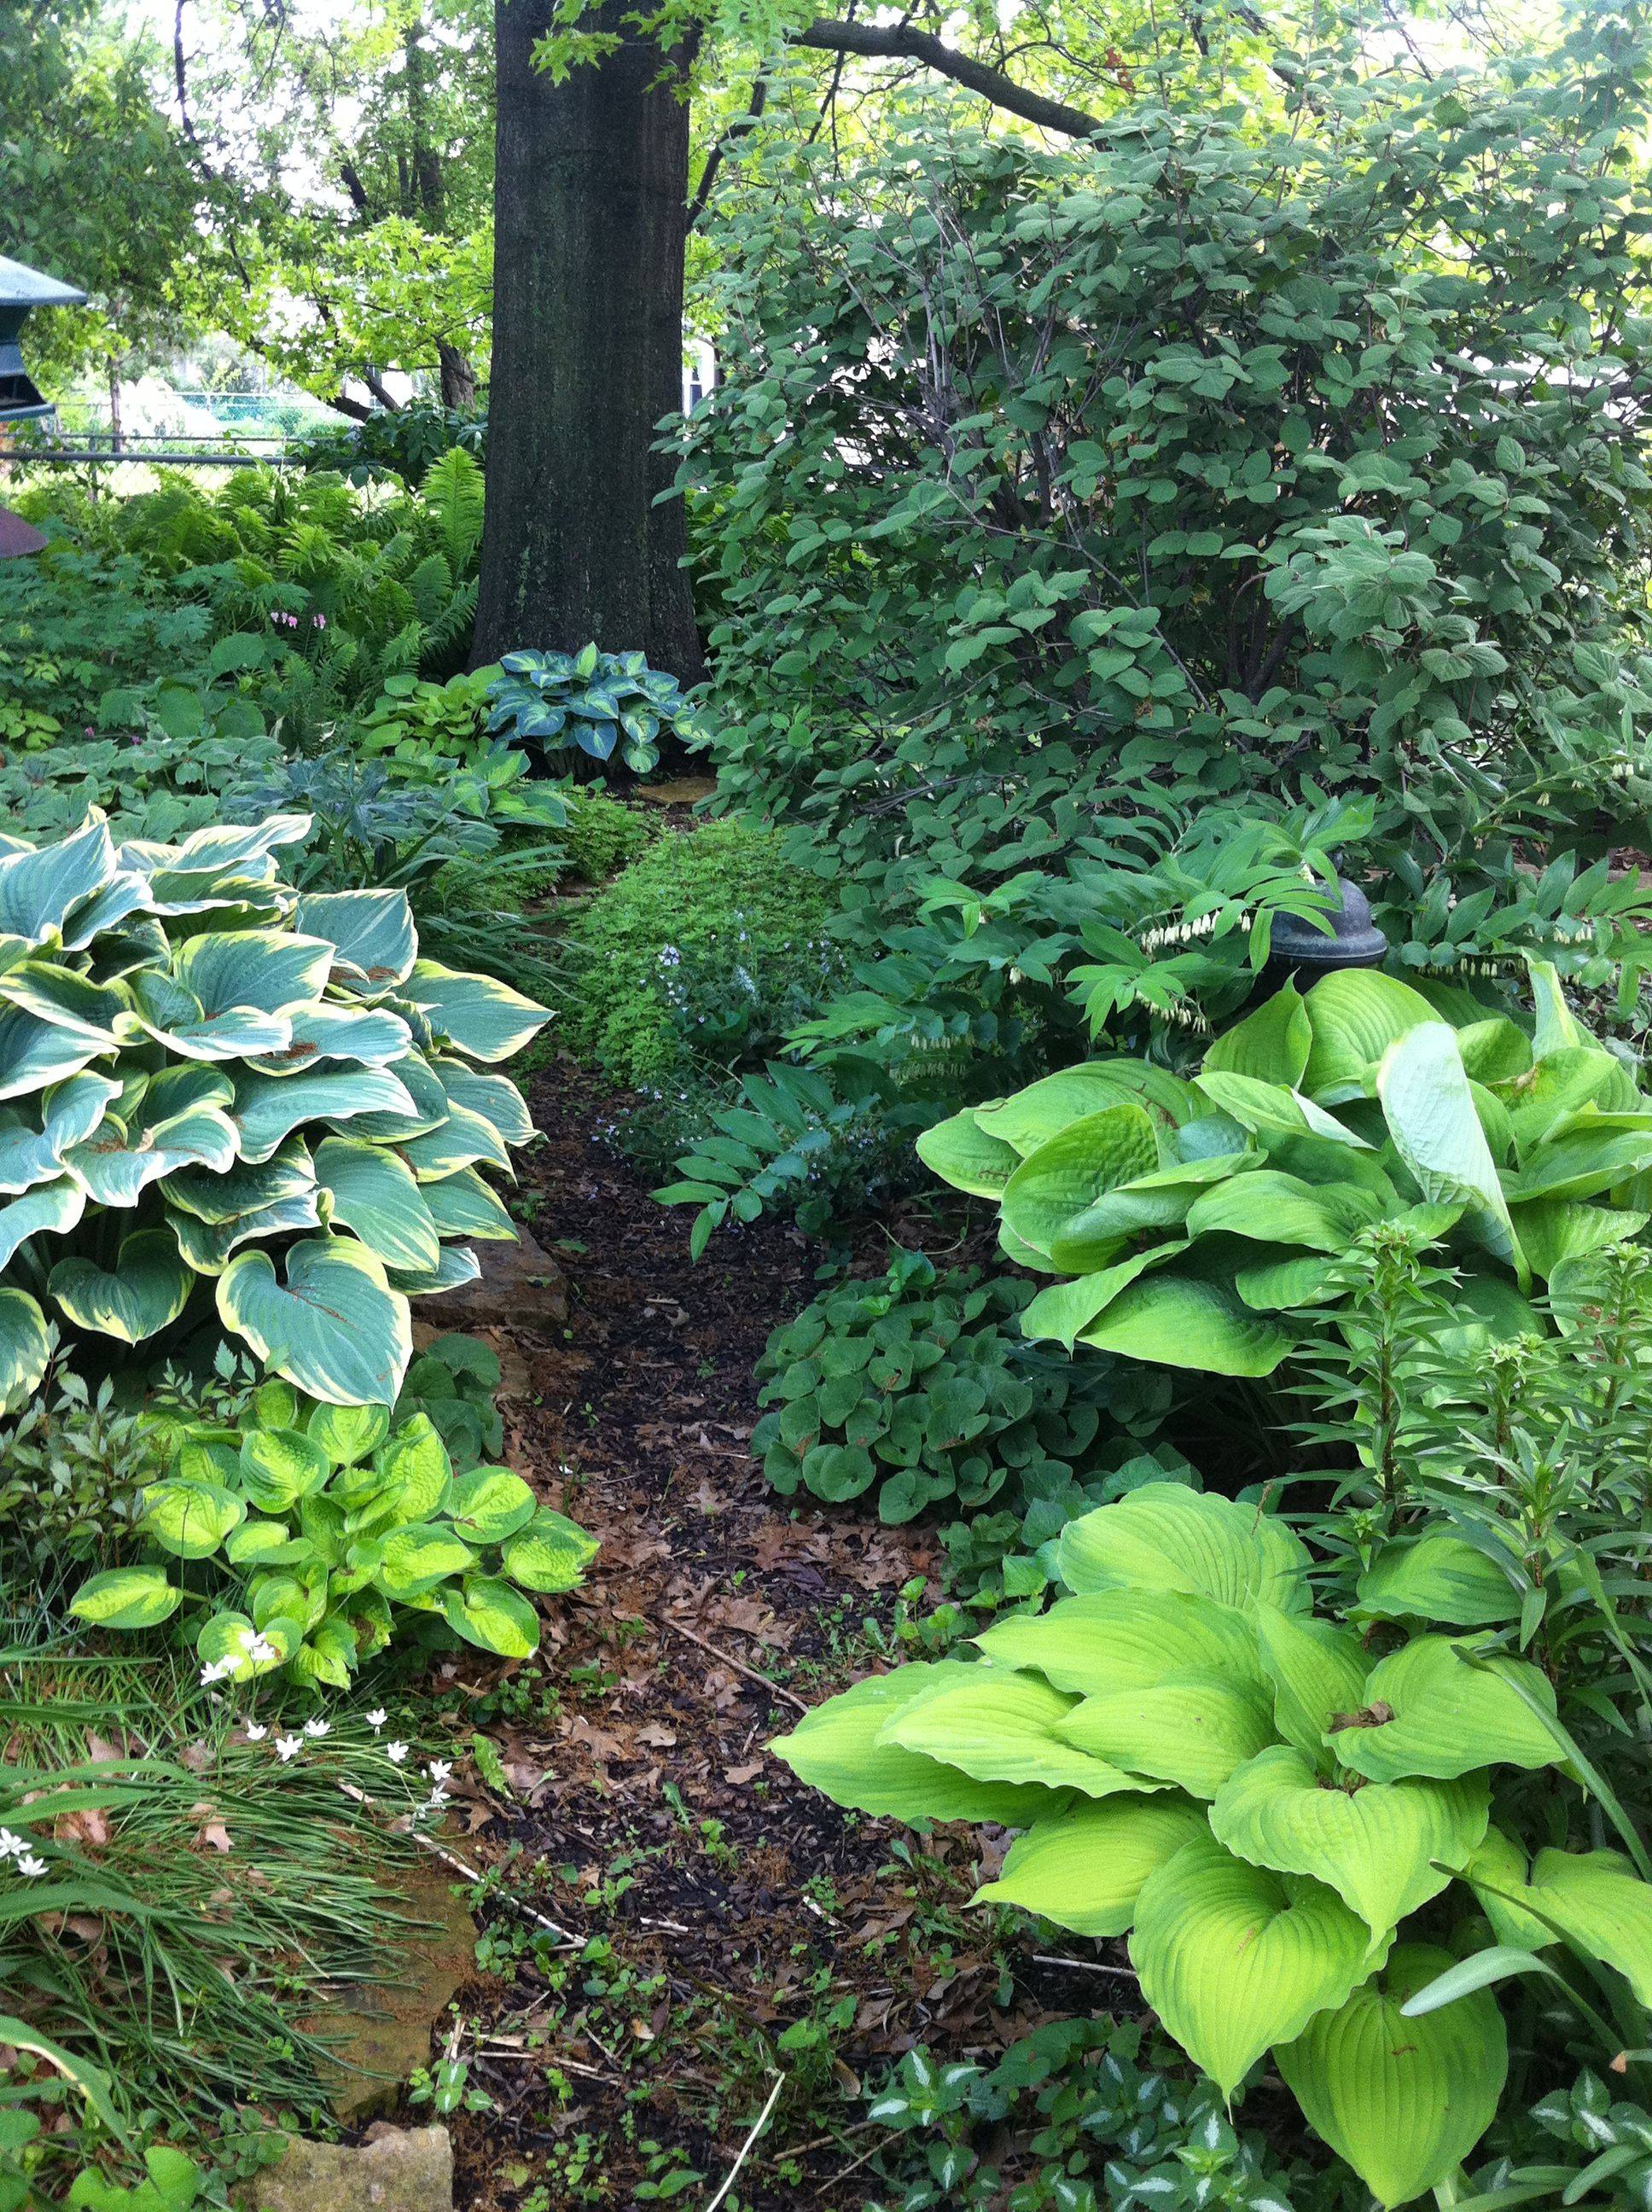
(1260, 1800)
(214, 1087)
(1182, 1219)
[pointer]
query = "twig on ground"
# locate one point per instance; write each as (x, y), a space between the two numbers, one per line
(740, 1666)
(758, 2126)
(453, 1860)
(1083, 1966)
(842, 2174)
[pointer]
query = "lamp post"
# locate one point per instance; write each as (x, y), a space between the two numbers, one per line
(1300, 952)
(21, 289)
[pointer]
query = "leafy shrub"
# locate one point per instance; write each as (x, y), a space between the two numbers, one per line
(162, 1008)
(589, 703)
(707, 947)
(917, 1387)
(404, 441)
(149, 784)
(76, 624)
(1189, 1217)
(1264, 1799)
(601, 835)
(74, 1467)
(452, 1382)
(324, 1521)
(412, 720)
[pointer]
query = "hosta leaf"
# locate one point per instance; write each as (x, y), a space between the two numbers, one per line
(1030, 1120)
(367, 1037)
(208, 1245)
(1428, 1711)
(489, 1505)
(481, 1017)
(1162, 1200)
(495, 1097)
(458, 1266)
(1269, 1111)
(1357, 1014)
(1498, 1875)
(232, 1637)
(1553, 1231)
(266, 1543)
(549, 1554)
(68, 1000)
(277, 1467)
(147, 1290)
(1270, 1045)
(39, 891)
(52, 1208)
(117, 1166)
(269, 1108)
(348, 1434)
(463, 1138)
(1403, 2101)
(1180, 1320)
(1271, 1208)
(336, 1330)
(487, 1611)
(1429, 1112)
(1234, 1959)
(420, 1555)
(177, 1018)
(288, 1173)
(842, 1748)
(371, 1191)
(1065, 1311)
(372, 933)
(1002, 1726)
(960, 1153)
(1070, 1172)
(1193, 1731)
(1375, 1845)
(429, 1109)
(414, 1465)
(1604, 1907)
(25, 1348)
(271, 971)
(1316, 1671)
(1438, 1577)
(69, 1112)
(1085, 1870)
(1164, 1536)
(1124, 1639)
(1570, 1078)
(461, 1204)
(191, 1518)
(34, 1054)
(126, 1597)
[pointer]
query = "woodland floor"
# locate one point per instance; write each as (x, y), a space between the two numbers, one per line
(728, 1924)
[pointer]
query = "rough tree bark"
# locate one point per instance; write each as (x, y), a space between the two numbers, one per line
(591, 203)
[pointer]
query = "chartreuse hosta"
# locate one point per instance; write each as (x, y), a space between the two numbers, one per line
(1189, 1216)
(1291, 1822)
(210, 1079)
(315, 1524)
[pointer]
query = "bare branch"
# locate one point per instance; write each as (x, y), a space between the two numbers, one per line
(903, 42)
(737, 129)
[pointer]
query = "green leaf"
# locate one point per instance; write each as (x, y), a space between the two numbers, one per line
(1124, 1639)
(1034, 1116)
(1427, 1712)
(1429, 1112)
(1271, 1208)
(1270, 1045)
(487, 1612)
(1070, 1172)
(489, 1505)
(1179, 1321)
(415, 1467)
(1357, 1014)
(419, 1557)
(1376, 1844)
(147, 1290)
(1192, 1729)
(25, 1348)
(1004, 1727)
(481, 1017)
(1164, 1536)
(269, 1108)
(960, 1153)
(461, 1204)
(1233, 1959)
(126, 1597)
(376, 1195)
(372, 933)
(549, 1554)
(277, 1467)
(1403, 2100)
(842, 1748)
(1438, 1577)
(1604, 1908)
(348, 1434)
(1085, 1870)
(336, 1330)
(1316, 1670)
(50, 1209)
(191, 1518)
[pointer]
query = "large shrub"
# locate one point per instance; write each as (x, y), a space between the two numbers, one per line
(205, 1073)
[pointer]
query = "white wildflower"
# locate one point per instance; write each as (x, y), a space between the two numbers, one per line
(395, 1753)
(11, 1846)
(376, 1718)
(289, 1747)
(315, 1729)
(257, 1731)
(439, 1769)
(30, 1866)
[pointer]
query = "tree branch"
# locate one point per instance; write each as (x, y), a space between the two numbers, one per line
(737, 129)
(903, 42)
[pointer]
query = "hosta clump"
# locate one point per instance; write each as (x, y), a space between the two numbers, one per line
(921, 1388)
(590, 702)
(1191, 1217)
(1265, 1801)
(208, 1080)
(317, 1526)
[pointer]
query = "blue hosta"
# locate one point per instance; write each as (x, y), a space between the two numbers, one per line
(215, 1088)
(322, 1527)
(597, 703)
(1262, 1799)
(1189, 1217)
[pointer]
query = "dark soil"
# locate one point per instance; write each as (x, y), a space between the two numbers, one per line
(727, 1925)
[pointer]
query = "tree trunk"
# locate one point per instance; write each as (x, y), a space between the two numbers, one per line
(590, 203)
(117, 435)
(458, 377)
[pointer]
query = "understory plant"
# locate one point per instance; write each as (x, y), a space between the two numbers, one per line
(205, 1074)
(1188, 1218)
(317, 1525)
(1299, 1817)
(589, 705)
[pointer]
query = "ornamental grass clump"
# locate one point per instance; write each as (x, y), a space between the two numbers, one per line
(221, 1092)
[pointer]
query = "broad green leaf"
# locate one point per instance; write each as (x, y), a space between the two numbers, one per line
(277, 1467)
(1003, 1727)
(1375, 1844)
(960, 1153)
(1553, 1231)
(191, 1518)
(36, 1054)
(1403, 2101)
(478, 1015)
(487, 1611)
(371, 1191)
(1192, 1729)
(1176, 1320)
(288, 1173)
(1357, 1014)
(1164, 1536)
(1438, 1577)
(126, 1597)
(1065, 1311)
(149, 1288)
(1582, 1158)
(119, 1164)
(1427, 1712)
(493, 1096)
(420, 1555)
(1558, 1029)
(1055, 1184)
(372, 933)
(25, 1348)
(68, 1000)
(842, 1749)
(1234, 1959)
(1498, 1875)
(51, 1208)
(1271, 1045)
(270, 971)
(1603, 1905)
(1027, 1121)
(1162, 1200)
(1316, 1670)
(251, 1648)
(69, 1113)
(1431, 1115)
(209, 1246)
(39, 891)
(174, 1017)
(458, 1266)
(336, 1330)
(489, 1505)
(269, 1108)
(461, 1204)
(463, 1140)
(1557, 1085)
(1271, 1208)
(365, 1037)
(414, 1464)
(1128, 1639)
(550, 1554)
(349, 1433)
(1085, 1870)
(1269, 1111)
(1495, 1051)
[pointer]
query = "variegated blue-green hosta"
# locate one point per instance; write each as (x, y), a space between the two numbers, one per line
(1262, 1799)
(330, 1521)
(1189, 1217)
(205, 1076)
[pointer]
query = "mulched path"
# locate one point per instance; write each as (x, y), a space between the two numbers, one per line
(742, 1926)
